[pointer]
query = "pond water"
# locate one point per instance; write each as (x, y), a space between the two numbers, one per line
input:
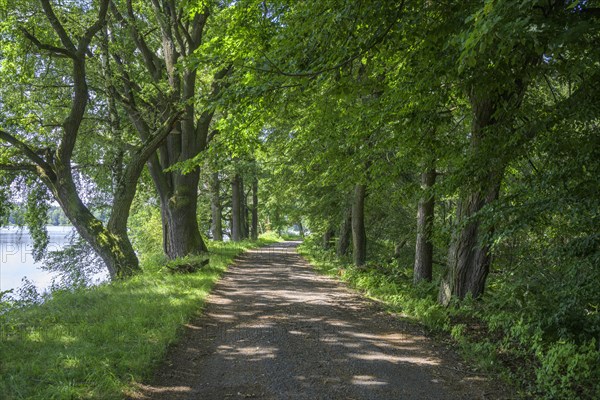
(16, 259)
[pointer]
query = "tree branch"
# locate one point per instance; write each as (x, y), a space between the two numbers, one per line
(95, 28)
(151, 61)
(155, 141)
(25, 149)
(53, 50)
(58, 28)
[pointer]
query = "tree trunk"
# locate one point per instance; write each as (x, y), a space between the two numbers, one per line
(236, 209)
(327, 237)
(359, 236)
(216, 226)
(244, 211)
(469, 261)
(425, 215)
(254, 230)
(468, 257)
(181, 235)
(112, 245)
(179, 37)
(345, 238)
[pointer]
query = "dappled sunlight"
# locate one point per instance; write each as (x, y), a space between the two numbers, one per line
(274, 329)
(250, 353)
(367, 380)
(166, 389)
(377, 356)
(222, 316)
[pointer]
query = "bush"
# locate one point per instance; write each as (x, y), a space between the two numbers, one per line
(569, 371)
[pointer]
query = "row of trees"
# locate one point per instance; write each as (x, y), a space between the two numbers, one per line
(17, 214)
(452, 141)
(91, 93)
(484, 111)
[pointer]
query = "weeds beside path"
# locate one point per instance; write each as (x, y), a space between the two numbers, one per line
(275, 329)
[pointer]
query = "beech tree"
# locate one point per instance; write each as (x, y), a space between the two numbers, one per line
(50, 54)
(158, 71)
(502, 52)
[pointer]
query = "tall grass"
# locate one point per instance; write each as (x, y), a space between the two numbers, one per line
(95, 343)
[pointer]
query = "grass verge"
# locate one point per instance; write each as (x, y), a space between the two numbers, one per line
(96, 343)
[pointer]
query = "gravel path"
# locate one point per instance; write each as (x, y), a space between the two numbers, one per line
(274, 329)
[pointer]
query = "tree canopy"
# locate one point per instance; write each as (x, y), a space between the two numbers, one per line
(454, 141)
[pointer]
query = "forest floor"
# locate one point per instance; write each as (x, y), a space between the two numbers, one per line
(275, 329)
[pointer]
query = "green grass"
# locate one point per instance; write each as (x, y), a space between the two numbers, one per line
(96, 343)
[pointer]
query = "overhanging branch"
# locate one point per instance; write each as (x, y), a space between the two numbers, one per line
(53, 50)
(27, 152)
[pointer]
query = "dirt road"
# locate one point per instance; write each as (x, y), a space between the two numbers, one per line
(274, 329)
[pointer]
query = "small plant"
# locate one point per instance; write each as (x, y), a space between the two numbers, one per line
(188, 264)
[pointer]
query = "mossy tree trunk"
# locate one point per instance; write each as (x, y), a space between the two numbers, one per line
(54, 169)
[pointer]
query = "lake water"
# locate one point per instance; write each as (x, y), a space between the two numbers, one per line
(16, 259)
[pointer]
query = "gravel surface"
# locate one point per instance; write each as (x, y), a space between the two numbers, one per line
(275, 329)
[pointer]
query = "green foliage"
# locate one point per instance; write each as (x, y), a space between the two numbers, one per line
(570, 371)
(36, 217)
(146, 234)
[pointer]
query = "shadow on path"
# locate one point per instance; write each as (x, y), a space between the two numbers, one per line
(274, 329)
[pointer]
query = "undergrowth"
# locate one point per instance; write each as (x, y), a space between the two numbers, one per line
(493, 337)
(97, 342)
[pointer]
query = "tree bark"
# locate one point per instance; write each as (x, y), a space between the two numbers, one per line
(423, 268)
(343, 244)
(244, 211)
(359, 236)
(216, 226)
(254, 228)
(469, 259)
(236, 209)
(327, 237)
(181, 235)
(176, 39)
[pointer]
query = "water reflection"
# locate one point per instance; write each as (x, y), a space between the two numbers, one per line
(16, 256)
